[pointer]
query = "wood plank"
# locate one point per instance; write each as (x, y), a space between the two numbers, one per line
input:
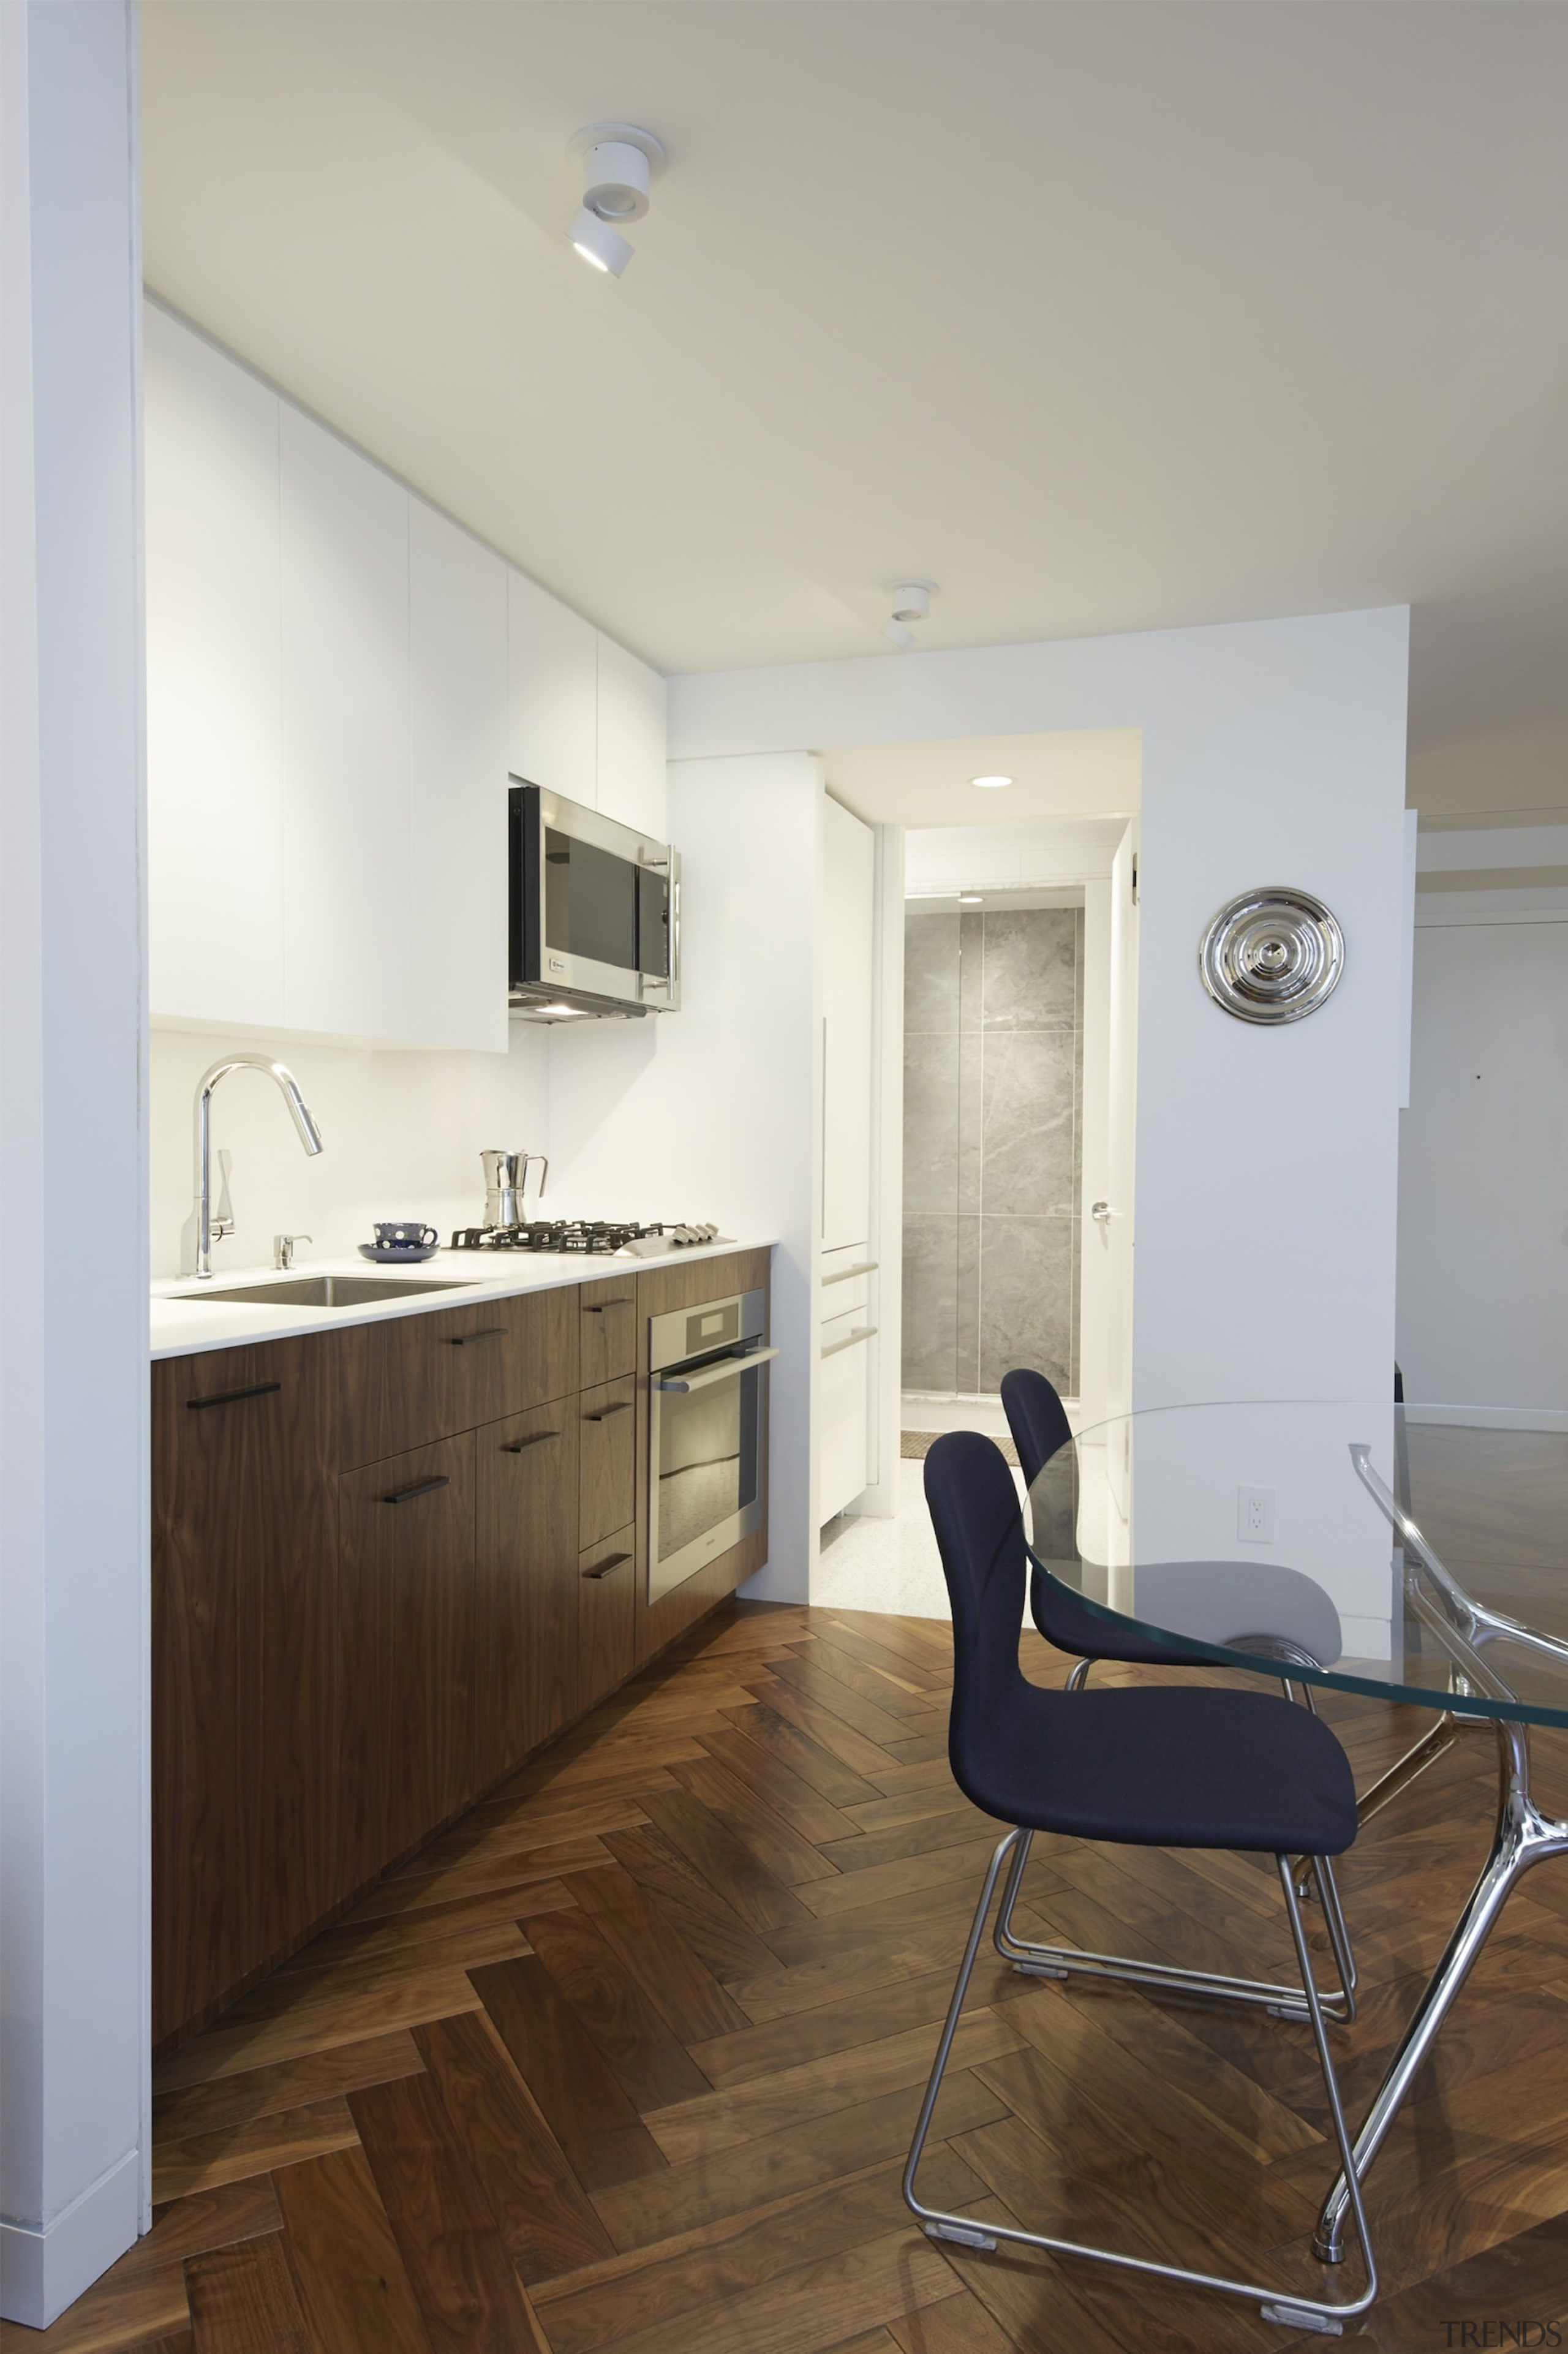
(544, 2216)
(639, 1931)
(617, 2013)
(350, 2276)
(817, 2088)
(884, 1687)
(237, 2152)
(822, 1768)
(779, 1849)
(727, 1865)
(791, 1797)
(468, 2291)
(290, 2084)
(838, 1698)
(658, 2204)
(243, 2300)
(800, 2035)
(585, 2107)
(600, 2306)
(713, 1929)
(810, 2309)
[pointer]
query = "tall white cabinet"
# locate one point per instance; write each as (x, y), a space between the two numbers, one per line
(339, 681)
(848, 1279)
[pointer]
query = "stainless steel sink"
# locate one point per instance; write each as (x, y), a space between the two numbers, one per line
(325, 1290)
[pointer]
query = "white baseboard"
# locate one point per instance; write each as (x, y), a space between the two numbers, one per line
(43, 2268)
(1491, 1417)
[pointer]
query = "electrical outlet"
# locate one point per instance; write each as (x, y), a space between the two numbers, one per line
(1255, 1515)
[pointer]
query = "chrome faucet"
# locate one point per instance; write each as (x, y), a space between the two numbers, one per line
(208, 1228)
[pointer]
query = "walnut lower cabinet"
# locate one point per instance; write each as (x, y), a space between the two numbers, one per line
(526, 1641)
(389, 1561)
(406, 1598)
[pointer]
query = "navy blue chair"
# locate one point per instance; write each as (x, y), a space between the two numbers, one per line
(1038, 1421)
(1174, 1766)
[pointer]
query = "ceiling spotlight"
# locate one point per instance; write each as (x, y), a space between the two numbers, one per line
(990, 784)
(897, 635)
(601, 247)
(618, 162)
(911, 599)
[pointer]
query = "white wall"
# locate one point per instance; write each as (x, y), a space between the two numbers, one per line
(1266, 1160)
(402, 1133)
(1483, 1230)
(73, 1338)
(713, 1112)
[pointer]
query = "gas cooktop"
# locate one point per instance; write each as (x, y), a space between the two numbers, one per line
(587, 1237)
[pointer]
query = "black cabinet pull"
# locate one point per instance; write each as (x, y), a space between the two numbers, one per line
(625, 1301)
(420, 1488)
(233, 1397)
(490, 1332)
(606, 1566)
(624, 1407)
(536, 1438)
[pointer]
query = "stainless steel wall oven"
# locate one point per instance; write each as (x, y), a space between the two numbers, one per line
(705, 1423)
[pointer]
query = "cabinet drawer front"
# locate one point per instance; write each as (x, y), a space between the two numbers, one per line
(406, 1529)
(525, 1613)
(607, 1441)
(416, 1379)
(607, 1586)
(608, 1321)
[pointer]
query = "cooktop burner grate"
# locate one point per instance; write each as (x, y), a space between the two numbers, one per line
(588, 1237)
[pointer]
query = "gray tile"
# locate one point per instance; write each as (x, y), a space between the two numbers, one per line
(971, 1120)
(931, 1302)
(930, 1121)
(1030, 969)
(930, 969)
(1027, 1287)
(966, 1336)
(971, 969)
(1079, 965)
(1029, 1133)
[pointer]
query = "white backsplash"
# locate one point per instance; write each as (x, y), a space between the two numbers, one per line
(401, 1134)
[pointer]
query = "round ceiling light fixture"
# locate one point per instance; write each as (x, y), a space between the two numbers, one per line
(990, 784)
(911, 602)
(620, 164)
(970, 899)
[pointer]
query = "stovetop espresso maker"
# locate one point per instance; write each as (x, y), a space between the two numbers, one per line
(506, 1181)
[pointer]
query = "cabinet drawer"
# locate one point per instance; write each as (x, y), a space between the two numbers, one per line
(414, 1379)
(525, 1593)
(606, 1582)
(607, 1442)
(607, 1341)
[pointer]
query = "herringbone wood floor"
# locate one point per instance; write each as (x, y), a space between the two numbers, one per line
(630, 2060)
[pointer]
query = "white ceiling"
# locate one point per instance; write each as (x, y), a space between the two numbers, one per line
(1105, 316)
(1077, 772)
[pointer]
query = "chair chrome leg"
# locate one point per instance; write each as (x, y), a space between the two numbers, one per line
(1523, 1836)
(1038, 1961)
(976, 2231)
(1079, 1677)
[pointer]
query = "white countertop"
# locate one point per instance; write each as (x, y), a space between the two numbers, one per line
(183, 1325)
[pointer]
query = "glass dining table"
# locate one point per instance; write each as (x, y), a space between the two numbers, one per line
(1283, 1538)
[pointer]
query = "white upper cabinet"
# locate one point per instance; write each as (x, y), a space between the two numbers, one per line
(553, 668)
(347, 819)
(215, 845)
(457, 936)
(631, 727)
(848, 933)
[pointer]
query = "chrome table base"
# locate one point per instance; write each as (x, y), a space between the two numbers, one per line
(1524, 1836)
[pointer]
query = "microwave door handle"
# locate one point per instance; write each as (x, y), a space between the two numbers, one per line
(710, 1374)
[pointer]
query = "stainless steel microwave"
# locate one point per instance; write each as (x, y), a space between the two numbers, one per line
(595, 913)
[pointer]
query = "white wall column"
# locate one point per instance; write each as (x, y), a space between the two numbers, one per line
(73, 1341)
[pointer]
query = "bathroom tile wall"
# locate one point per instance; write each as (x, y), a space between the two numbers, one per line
(993, 1090)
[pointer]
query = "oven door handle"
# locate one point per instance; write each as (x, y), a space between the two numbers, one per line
(705, 1379)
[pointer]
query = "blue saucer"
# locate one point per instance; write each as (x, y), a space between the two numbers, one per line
(398, 1254)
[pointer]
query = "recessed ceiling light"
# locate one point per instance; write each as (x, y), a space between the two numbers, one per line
(970, 899)
(990, 784)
